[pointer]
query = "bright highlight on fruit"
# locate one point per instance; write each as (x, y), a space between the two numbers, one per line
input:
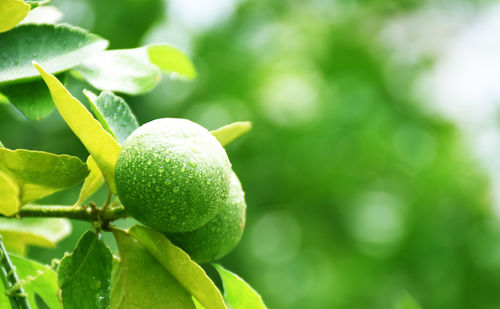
(173, 175)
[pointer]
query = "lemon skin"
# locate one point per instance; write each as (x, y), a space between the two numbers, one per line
(172, 175)
(221, 234)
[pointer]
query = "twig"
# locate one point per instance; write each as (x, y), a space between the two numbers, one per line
(13, 287)
(80, 213)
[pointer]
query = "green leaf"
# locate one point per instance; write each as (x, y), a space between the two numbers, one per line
(124, 70)
(84, 276)
(43, 15)
(11, 13)
(41, 173)
(179, 264)
(40, 304)
(43, 168)
(92, 183)
(36, 3)
(101, 145)
(140, 281)
(36, 279)
(114, 114)
(36, 103)
(135, 71)
(57, 48)
(197, 304)
(228, 133)
(42, 232)
(171, 60)
(29, 175)
(237, 293)
(3, 99)
(9, 195)
(92, 97)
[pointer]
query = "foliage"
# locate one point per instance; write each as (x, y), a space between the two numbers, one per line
(363, 191)
(150, 271)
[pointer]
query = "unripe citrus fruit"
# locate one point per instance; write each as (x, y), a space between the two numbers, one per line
(173, 175)
(221, 234)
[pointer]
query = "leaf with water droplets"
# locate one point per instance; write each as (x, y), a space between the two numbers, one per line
(124, 70)
(56, 48)
(84, 276)
(113, 113)
(137, 70)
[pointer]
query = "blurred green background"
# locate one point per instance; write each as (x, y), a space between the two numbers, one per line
(372, 173)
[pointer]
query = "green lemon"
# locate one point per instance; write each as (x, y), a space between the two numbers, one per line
(221, 234)
(172, 175)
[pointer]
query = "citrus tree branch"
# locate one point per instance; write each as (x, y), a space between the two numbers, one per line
(13, 288)
(84, 213)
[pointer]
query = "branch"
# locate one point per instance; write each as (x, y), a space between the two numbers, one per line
(80, 213)
(11, 282)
